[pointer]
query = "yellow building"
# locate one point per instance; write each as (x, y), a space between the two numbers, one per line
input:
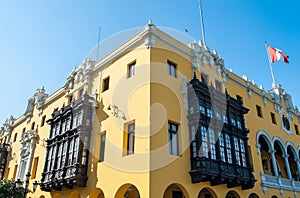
(155, 118)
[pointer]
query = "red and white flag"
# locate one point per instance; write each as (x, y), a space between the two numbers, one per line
(277, 54)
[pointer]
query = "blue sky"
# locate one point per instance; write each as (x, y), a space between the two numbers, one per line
(41, 41)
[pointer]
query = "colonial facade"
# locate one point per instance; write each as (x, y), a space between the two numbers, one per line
(155, 117)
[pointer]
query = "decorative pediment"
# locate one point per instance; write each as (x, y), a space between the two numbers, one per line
(27, 136)
(81, 74)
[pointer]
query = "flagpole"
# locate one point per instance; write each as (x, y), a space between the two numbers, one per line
(99, 34)
(202, 23)
(270, 63)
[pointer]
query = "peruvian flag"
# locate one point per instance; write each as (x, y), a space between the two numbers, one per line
(277, 54)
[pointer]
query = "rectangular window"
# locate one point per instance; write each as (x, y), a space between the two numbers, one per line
(64, 153)
(202, 109)
(204, 78)
(80, 93)
(296, 129)
(105, 84)
(49, 159)
(204, 146)
(24, 129)
(218, 85)
(131, 69)
(102, 146)
(251, 160)
(128, 138)
(237, 150)
(34, 167)
(43, 120)
(173, 138)
(193, 141)
(6, 174)
(15, 137)
(222, 147)
(70, 99)
(243, 153)
(59, 155)
(15, 172)
(75, 150)
(212, 143)
(273, 118)
(225, 119)
(172, 69)
(259, 111)
(209, 112)
(228, 148)
(32, 126)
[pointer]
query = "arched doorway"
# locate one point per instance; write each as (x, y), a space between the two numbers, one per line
(207, 193)
(253, 195)
(74, 194)
(293, 166)
(279, 152)
(232, 194)
(175, 191)
(42, 196)
(265, 155)
(96, 193)
(127, 191)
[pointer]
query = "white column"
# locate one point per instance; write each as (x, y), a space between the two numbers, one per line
(272, 152)
(287, 165)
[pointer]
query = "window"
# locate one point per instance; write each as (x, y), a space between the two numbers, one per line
(237, 150)
(243, 153)
(15, 137)
(6, 174)
(250, 156)
(24, 129)
(105, 84)
(212, 144)
(273, 118)
(218, 85)
(258, 111)
(102, 146)
(296, 129)
(34, 168)
(129, 136)
(204, 146)
(80, 93)
(202, 109)
(173, 138)
(204, 78)
(43, 120)
(228, 148)
(131, 69)
(172, 69)
(32, 126)
(209, 112)
(15, 172)
(193, 141)
(222, 147)
(70, 99)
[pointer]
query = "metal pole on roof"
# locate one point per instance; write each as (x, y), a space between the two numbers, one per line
(202, 22)
(99, 34)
